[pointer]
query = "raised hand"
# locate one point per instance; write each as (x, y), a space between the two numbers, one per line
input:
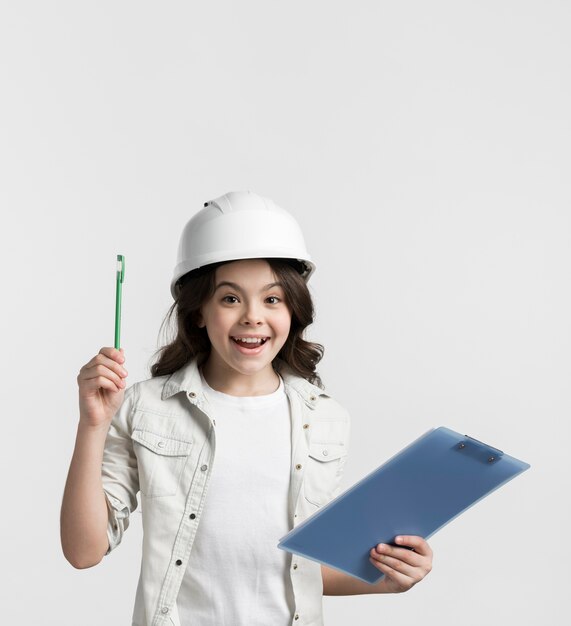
(102, 387)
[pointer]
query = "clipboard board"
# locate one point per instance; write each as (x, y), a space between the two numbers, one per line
(416, 492)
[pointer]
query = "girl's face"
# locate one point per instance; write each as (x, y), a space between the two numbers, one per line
(251, 305)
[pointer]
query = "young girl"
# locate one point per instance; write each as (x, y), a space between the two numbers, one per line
(232, 442)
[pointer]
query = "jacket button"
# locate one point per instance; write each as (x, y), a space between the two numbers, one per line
(306, 425)
(204, 468)
(296, 616)
(192, 516)
(295, 566)
(325, 453)
(165, 609)
(298, 466)
(191, 394)
(161, 444)
(179, 562)
(313, 398)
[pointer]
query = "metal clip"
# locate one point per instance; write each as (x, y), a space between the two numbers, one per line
(478, 450)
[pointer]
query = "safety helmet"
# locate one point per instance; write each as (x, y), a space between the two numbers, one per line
(240, 225)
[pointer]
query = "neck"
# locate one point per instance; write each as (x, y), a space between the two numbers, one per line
(234, 383)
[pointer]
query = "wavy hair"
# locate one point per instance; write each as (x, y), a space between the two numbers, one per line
(191, 341)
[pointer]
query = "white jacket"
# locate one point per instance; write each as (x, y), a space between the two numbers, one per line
(162, 442)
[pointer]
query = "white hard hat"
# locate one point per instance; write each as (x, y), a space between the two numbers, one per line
(239, 225)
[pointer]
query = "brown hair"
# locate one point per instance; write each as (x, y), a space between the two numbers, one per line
(197, 287)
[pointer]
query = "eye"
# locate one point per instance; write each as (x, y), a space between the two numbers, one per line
(235, 298)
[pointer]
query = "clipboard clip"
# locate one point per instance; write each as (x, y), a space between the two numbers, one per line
(479, 450)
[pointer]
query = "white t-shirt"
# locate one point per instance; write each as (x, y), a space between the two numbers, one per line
(236, 574)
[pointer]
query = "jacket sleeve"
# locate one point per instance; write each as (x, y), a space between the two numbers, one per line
(119, 471)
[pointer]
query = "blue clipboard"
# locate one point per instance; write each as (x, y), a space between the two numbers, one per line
(416, 492)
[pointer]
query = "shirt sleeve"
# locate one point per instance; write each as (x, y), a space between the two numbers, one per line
(119, 471)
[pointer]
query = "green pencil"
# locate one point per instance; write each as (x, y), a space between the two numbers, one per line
(120, 278)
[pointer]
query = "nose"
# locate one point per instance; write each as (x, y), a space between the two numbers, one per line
(252, 315)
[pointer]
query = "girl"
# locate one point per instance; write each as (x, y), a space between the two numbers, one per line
(232, 442)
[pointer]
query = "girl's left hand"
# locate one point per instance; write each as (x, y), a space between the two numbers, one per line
(402, 567)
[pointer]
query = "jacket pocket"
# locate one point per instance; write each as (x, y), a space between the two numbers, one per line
(323, 471)
(161, 460)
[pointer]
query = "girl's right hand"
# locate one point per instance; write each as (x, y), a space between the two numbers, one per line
(101, 387)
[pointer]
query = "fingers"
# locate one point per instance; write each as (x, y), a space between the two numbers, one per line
(419, 544)
(404, 580)
(105, 370)
(113, 353)
(404, 566)
(389, 554)
(102, 382)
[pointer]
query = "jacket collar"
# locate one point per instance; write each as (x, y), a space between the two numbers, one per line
(187, 379)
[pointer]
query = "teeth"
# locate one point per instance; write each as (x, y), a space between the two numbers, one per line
(249, 340)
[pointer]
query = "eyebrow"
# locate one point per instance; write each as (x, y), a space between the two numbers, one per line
(238, 288)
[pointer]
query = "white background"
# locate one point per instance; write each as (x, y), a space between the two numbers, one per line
(424, 149)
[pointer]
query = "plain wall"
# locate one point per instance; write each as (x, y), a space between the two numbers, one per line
(424, 149)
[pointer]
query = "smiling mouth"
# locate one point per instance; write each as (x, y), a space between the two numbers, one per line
(252, 344)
